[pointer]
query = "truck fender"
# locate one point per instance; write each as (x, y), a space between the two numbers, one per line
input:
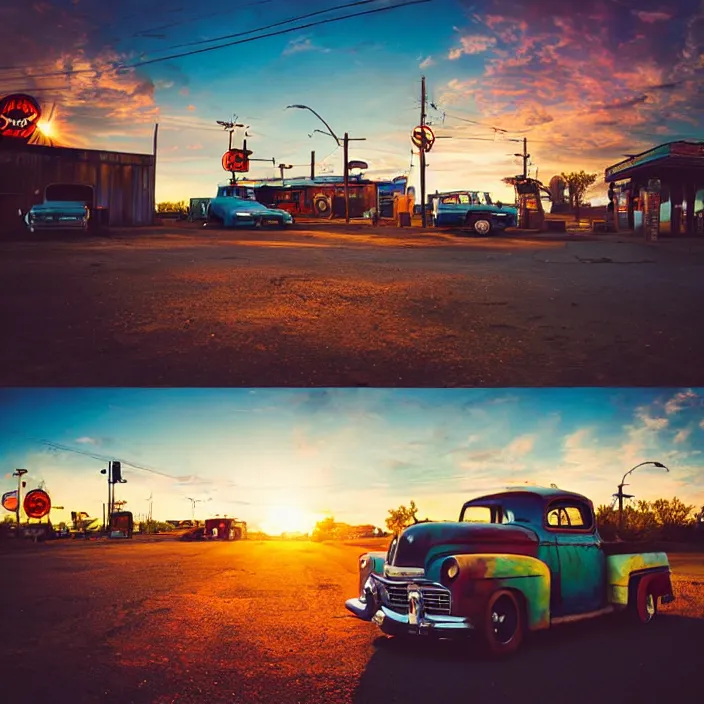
(482, 575)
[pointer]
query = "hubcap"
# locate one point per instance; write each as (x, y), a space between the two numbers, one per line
(504, 621)
(482, 227)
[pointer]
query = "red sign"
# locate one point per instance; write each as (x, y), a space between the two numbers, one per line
(19, 115)
(37, 503)
(9, 500)
(423, 136)
(236, 160)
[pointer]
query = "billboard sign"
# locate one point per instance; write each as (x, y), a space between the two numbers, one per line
(19, 116)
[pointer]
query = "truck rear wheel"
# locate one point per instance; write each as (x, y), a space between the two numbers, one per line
(503, 624)
(642, 603)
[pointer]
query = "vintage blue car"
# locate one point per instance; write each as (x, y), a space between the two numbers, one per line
(234, 211)
(472, 209)
(66, 206)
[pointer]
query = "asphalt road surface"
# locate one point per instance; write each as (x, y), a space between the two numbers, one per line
(313, 307)
(193, 623)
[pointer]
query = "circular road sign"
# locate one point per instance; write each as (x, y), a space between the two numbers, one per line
(423, 133)
(37, 503)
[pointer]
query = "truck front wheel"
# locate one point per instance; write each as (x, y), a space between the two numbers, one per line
(480, 225)
(503, 624)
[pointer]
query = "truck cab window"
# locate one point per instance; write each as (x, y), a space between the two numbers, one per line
(569, 515)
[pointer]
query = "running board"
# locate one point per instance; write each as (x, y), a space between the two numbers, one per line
(581, 617)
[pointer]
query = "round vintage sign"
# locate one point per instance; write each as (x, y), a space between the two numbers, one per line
(423, 136)
(19, 115)
(37, 503)
(236, 160)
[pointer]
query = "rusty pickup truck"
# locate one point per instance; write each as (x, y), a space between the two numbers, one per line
(517, 561)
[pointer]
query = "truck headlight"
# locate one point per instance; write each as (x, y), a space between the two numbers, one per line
(450, 569)
(244, 215)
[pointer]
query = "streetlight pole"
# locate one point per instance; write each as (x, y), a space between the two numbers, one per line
(19, 473)
(346, 146)
(621, 496)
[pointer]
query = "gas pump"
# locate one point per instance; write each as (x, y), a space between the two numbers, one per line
(531, 215)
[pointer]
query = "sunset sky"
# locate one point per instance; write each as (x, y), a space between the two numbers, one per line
(282, 459)
(586, 82)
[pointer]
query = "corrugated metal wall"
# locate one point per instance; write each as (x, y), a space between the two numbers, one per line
(123, 183)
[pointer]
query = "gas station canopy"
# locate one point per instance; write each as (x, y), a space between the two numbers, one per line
(671, 156)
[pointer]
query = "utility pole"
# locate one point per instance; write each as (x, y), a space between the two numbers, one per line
(346, 149)
(423, 100)
(525, 157)
(19, 473)
(312, 165)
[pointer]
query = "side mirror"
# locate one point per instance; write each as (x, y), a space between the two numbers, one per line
(499, 204)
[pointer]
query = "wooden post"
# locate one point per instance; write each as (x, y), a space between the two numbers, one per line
(346, 176)
(312, 165)
(423, 99)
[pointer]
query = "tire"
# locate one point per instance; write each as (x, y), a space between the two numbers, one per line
(642, 604)
(321, 205)
(480, 225)
(503, 627)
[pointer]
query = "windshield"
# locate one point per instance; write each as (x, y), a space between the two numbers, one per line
(486, 514)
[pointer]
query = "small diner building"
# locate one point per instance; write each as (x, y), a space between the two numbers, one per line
(660, 192)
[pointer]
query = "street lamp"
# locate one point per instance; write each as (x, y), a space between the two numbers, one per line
(19, 473)
(193, 505)
(346, 149)
(621, 496)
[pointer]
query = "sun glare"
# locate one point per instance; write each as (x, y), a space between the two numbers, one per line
(47, 128)
(288, 519)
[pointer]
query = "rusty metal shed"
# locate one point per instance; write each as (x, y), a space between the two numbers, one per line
(124, 184)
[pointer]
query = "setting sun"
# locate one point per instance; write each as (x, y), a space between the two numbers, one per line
(47, 129)
(288, 519)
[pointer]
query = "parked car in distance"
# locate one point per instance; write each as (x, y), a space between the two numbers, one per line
(472, 209)
(516, 561)
(234, 211)
(66, 206)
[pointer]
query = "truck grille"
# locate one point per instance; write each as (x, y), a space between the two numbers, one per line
(436, 599)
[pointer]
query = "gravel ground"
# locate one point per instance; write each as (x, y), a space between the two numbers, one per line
(164, 622)
(334, 307)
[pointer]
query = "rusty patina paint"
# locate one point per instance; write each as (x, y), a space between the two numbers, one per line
(482, 574)
(619, 569)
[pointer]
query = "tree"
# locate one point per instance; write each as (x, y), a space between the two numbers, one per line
(401, 517)
(169, 207)
(662, 519)
(578, 183)
(325, 529)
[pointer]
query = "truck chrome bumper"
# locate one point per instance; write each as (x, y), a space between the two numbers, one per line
(393, 623)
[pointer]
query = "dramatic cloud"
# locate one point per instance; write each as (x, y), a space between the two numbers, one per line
(588, 79)
(472, 44)
(426, 62)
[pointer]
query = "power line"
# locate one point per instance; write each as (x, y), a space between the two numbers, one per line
(171, 57)
(276, 24)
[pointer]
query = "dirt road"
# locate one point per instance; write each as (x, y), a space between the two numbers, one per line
(158, 622)
(317, 307)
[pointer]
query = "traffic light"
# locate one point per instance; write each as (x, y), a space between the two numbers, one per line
(116, 473)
